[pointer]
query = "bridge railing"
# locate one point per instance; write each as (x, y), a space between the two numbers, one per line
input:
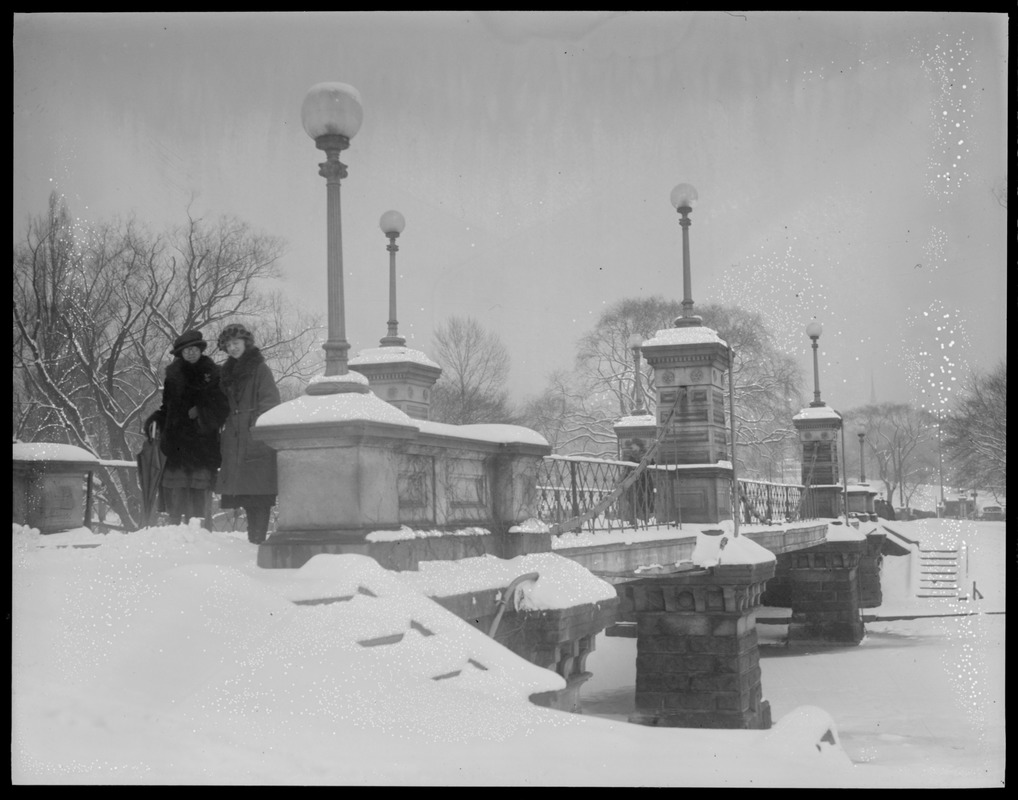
(573, 486)
(765, 502)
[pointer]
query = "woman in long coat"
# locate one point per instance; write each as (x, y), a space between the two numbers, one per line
(192, 411)
(248, 476)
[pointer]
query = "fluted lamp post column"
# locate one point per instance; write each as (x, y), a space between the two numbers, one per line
(683, 197)
(392, 224)
(862, 458)
(639, 407)
(813, 331)
(332, 115)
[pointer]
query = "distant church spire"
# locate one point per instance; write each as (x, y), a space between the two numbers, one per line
(873, 389)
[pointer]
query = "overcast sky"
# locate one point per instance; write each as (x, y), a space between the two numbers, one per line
(846, 164)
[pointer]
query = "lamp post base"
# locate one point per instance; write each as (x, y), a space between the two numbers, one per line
(350, 383)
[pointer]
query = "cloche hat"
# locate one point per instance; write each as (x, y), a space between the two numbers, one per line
(234, 331)
(188, 339)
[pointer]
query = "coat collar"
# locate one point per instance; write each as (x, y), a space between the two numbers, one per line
(236, 369)
(179, 369)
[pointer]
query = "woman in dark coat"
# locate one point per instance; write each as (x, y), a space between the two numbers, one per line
(248, 477)
(193, 409)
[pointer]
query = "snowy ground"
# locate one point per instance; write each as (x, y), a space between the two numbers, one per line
(167, 657)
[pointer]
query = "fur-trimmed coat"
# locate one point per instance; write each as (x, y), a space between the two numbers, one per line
(191, 443)
(249, 467)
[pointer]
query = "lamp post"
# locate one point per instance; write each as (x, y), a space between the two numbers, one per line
(392, 224)
(813, 331)
(736, 507)
(683, 197)
(844, 475)
(940, 470)
(332, 115)
(635, 340)
(862, 458)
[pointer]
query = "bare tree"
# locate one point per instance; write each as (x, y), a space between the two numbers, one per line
(475, 369)
(573, 421)
(95, 311)
(975, 433)
(900, 442)
(604, 358)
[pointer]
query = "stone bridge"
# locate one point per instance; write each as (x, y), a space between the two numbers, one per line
(358, 474)
(695, 617)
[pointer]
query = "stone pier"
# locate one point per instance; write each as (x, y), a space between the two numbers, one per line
(870, 564)
(698, 662)
(821, 586)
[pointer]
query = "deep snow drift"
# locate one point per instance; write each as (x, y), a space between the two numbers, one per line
(167, 657)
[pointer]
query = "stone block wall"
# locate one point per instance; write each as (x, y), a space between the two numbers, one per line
(870, 563)
(820, 585)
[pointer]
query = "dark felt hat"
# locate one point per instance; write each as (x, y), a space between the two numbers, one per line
(189, 339)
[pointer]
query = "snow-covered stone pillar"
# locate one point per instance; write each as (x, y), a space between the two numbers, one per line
(689, 363)
(399, 375)
(357, 475)
(861, 498)
(49, 491)
(819, 427)
(698, 661)
(337, 458)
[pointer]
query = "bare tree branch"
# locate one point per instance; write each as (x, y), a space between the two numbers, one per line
(95, 311)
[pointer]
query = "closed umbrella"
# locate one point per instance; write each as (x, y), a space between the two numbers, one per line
(151, 463)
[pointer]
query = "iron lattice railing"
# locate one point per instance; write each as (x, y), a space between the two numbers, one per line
(573, 487)
(576, 493)
(763, 502)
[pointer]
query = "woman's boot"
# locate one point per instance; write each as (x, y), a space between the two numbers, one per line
(199, 506)
(176, 504)
(257, 523)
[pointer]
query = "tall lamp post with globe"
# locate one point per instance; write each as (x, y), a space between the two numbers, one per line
(332, 115)
(392, 224)
(813, 331)
(683, 197)
(862, 457)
